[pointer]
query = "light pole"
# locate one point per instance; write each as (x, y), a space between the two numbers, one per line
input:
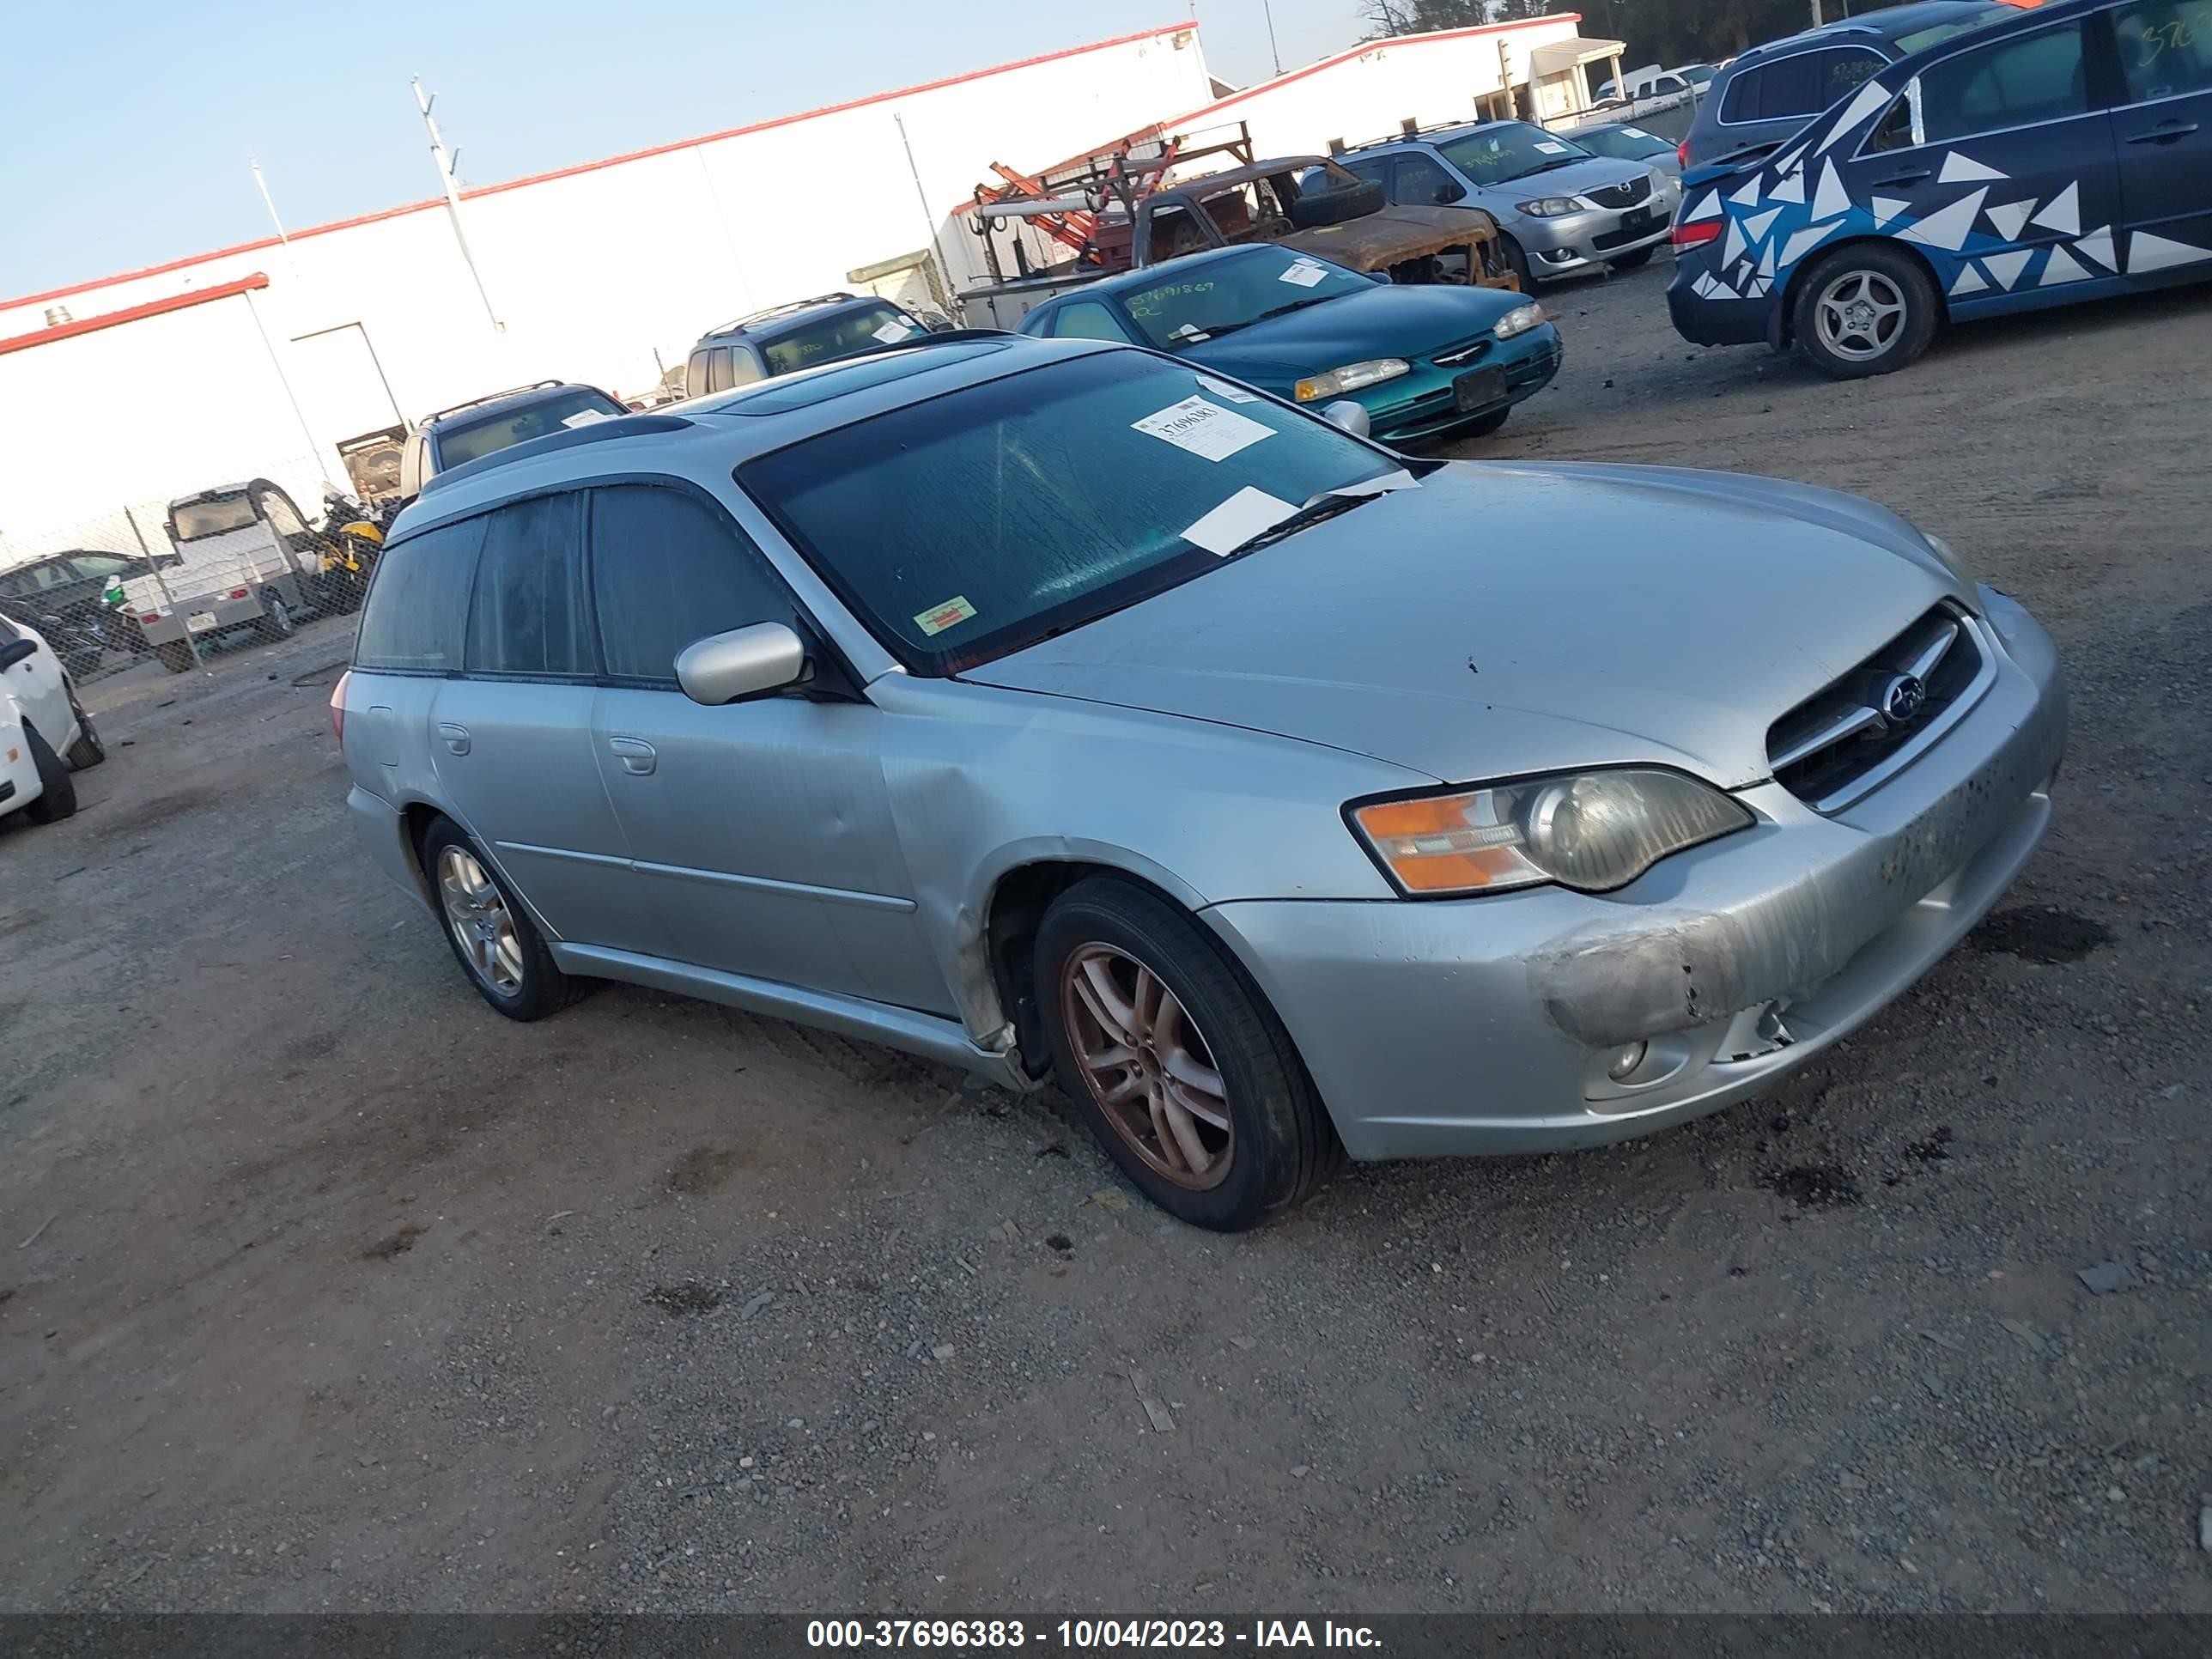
(444, 164)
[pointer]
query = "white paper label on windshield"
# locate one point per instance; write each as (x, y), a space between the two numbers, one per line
(1204, 428)
(891, 330)
(1235, 394)
(1551, 148)
(586, 416)
(1303, 273)
(1236, 521)
(1638, 132)
(954, 611)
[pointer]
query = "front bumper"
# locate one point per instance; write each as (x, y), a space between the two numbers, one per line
(1484, 1025)
(1581, 243)
(1529, 363)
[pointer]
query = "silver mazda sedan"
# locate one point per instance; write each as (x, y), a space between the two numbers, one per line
(1065, 714)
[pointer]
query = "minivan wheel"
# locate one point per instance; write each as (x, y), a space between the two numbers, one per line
(1175, 1061)
(1864, 310)
(497, 944)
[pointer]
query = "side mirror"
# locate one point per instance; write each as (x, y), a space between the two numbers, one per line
(1347, 416)
(1449, 192)
(938, 322)
(742, 662)
(17, 651)
(1381, 278)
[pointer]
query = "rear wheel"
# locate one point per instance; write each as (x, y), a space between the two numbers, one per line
(176, 656)
(1864, 310)
(277, 613)
(1174, 1059)
(496, 943)
(88, 750)
(57, 789)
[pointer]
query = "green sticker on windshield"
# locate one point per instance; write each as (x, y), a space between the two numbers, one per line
(939, 617)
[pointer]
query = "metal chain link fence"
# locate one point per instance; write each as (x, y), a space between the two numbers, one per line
(179, 585)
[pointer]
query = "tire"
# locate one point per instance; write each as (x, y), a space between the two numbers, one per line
(521, 983)
(57, 792)
(277, 614)
(87, 751)
(1824, 319)
(1517, 261)
(177, 657)
(1335, 207)
(1486, 425)
(1279, 1145)
(1634, 261)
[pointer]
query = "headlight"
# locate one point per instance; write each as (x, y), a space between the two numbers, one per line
(1593, 831)
(1549, 207)
(1350, 378)
(1952, 562)
(1519, 320)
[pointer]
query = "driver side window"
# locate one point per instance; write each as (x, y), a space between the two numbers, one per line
(667, 569)
(1894, 130)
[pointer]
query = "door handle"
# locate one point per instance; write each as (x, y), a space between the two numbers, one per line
(1909, 176)
(455, 737)
(637, 754)
(2164, 133)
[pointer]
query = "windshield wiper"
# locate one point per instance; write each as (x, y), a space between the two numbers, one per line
(1564, 162)
(1321, 508)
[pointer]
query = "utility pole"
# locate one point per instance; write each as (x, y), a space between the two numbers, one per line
(446, 177)
(291, 269)
(1269, 12)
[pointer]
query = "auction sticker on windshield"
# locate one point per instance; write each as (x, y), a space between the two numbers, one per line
(1301, 273)
(1236, 521)
(939, 617)
(894, 330)
(1204, 428)
(1235, 394)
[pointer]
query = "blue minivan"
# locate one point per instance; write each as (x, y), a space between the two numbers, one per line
(2043, 157)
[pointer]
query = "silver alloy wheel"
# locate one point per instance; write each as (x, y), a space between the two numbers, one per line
(1861, 315)
(477, 916)
(1147, 1066)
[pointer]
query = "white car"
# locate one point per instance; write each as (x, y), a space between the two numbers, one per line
(45, 733)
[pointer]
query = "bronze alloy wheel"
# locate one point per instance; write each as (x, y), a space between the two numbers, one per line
(1147, 1066)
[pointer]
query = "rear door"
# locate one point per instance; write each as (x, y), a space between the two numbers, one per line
(1997, 165)
(761, 830)
(2164, 126)
(510, 740)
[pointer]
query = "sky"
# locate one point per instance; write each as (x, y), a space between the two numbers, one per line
(128, 126)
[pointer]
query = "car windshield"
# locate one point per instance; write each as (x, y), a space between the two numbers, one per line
(839, 336)
(973, 523)
(1628, 143)
(192, 521)
(1506, 150)
(461, 439)
(1220, 296)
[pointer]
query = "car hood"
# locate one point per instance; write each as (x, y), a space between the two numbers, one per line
(1597, 173)
(1378, 322)
(1502, 619)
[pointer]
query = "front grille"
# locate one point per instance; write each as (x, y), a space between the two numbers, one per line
(1621, 196)
(1606, 241)
(1844, 733)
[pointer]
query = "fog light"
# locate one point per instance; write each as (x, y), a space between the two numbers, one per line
(1623, 1065)
(1562, 254)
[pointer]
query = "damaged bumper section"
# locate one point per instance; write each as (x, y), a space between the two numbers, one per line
(1546, 1020)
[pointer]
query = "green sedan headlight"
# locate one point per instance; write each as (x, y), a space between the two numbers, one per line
(1352, 376)
(1593, 831)
(1519, 320)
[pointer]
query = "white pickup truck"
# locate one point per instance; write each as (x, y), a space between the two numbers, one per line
(250, 564)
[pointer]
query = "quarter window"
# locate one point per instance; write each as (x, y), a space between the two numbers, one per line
(2012, 83)
(529, 614)
(1804, 84)
(668, 569)
(1894, 131)
(419, 603)
(2165, 47)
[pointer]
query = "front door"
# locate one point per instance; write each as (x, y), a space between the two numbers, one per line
(761, 831)
(1996, 167)
(37, 685)
(2164, 127)
(511, 740)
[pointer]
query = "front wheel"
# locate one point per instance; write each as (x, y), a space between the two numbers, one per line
(1483, 426)
(1632, 261)
(1174, 1059)
(1517, 261)
(88, 750)
(497, 944)
(1864, 310)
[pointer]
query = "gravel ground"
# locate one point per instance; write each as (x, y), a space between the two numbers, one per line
(346, 1294)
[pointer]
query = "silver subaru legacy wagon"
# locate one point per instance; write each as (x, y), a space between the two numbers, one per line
(1065, 714)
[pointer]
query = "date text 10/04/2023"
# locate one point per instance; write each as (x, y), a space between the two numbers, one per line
(1087, 1633)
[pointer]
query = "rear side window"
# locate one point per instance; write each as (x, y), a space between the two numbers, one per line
(1804, 84)
(718, 369)
(2165, 47)
(419, 603)
(694, 374)
(529, 614)
(667, 569)
(2012, 83)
